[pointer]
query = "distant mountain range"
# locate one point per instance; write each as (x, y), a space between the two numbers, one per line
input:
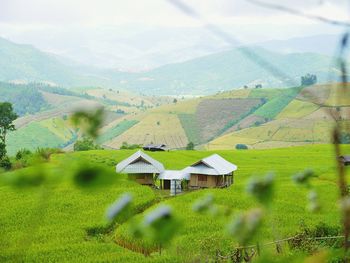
(204, 75)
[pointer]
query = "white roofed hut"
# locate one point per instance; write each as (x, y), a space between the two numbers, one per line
(171, 179)
(210, 172)
(140, 167)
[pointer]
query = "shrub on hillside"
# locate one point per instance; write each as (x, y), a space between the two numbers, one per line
(241, 146)
(190, 146)
(86, 144)
(22, 153)
(305, 240)
(45, 153)
(126, 146)
(5, 163)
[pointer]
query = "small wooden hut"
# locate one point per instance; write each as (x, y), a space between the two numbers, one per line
(140, 167)
(212, 171)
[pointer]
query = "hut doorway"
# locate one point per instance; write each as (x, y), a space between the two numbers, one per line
(166, 184)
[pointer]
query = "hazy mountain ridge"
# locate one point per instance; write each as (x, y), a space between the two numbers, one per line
(204, 75)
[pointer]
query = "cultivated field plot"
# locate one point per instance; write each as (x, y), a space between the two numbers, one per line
(337, 97)
(181, 107)
(32, 136)
(317, 94)
(116, 130)
(240, 93)
(249, 121)
(65, 221)
(120, 96)
(189, 124)
(297, 109)
(154, 128)
(61, 111)
(58, 100)
(213, 117)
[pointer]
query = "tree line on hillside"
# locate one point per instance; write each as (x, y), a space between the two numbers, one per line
(26, 99)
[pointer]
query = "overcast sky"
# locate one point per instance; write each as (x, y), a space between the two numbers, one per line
(58, 13)
(44, 23)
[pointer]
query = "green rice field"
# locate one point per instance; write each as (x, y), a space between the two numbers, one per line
(48, 215)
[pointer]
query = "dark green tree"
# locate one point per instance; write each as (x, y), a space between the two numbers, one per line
(308, 80)
(190, 146)
(7, 116)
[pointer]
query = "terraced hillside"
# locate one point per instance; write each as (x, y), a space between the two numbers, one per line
(259, 118)
(44, 115)
(306, 119)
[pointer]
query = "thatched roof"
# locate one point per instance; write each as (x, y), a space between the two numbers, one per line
(139, 163)
(212, 165)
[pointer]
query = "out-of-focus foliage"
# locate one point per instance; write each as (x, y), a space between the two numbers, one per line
(89, 122)
(262, 188)
(87, 175)
(303, 178)
(204, 205)
(245, 226)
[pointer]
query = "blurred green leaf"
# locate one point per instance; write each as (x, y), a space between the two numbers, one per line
(313, 205)
(245, 225)
(204, 204)
(89, 122)
(88, 176)
(303, 178)
(30, 177)
(262, 188)
(162, 223)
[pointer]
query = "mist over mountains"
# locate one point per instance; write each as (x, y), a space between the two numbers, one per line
(227, 69)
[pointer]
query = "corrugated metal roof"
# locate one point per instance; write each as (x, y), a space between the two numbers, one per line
(174, 175)
(139, 163)
(212, 165)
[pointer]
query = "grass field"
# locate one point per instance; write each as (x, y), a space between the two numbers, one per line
(65, 222)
